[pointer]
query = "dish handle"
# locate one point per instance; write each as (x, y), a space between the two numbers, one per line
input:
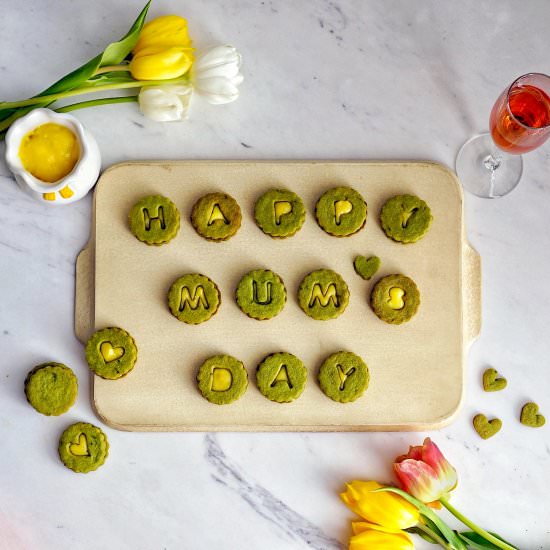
(471, 289)
(84, 295)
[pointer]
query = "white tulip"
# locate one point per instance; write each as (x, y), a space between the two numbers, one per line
(216, 74)
(165, 103)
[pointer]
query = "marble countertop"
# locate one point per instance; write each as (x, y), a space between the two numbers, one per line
(327, 79)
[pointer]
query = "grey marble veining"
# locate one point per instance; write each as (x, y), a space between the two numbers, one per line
(323, 79)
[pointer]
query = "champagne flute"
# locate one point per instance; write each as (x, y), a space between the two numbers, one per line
(490, 165)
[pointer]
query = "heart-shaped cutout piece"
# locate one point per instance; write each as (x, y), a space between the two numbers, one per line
(366, 267)
(486, 428)
(492, 381)
(109, 352)
(530, 417)
(80, 448)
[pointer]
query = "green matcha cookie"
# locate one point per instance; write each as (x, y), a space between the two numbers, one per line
(344, 376)
(194, 298)
(486, 428)
(261, 294)
(51, 388)
(222, 379)
(83, 447)
(395, 299)
(323, 294)
(154, 220)
(341, 211)
(281, 377)
(111, 353)
(405, 218)
(531, 417)
(280, 213)
(216, 217)
(366, 268)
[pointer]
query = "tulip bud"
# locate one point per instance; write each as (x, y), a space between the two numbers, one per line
(216, 74)
(383, 508)
(163, 50)
(425, 473)
(165, 103)
(373, 537)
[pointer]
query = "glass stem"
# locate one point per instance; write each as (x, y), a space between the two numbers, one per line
(492, 162)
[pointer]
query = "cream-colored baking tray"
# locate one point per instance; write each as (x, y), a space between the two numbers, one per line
(416, 369)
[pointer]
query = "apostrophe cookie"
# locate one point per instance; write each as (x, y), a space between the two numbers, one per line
(261, 294)
(492, 381)
(323, 294)
(279, 213)
(486, 428)
(530, 416)
(395, 299)
(51, 388)
(216, 216)
(344, 376)
(405, 218)
(222, 379)
(194, 298)
(341, 211)
(281, 377)
(111, 353)
(154, 220)
(366, 267)
(83, 447)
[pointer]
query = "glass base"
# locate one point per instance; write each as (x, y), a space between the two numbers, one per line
(485, 170)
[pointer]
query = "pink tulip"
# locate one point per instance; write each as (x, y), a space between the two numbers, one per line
(424, 473)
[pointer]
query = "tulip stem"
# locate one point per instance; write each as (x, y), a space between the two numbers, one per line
(433, 535)
(112, 68)
(480, 531)
(95, 102)
(88, 90)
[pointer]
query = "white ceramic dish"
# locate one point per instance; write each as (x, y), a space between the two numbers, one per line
(72, 187)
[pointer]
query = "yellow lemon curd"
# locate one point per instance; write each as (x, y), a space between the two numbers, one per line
(49, 152)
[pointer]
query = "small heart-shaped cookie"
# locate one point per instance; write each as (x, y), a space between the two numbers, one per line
(486, 428)
(529, 416)
(492, 382)
(110, 353)
(366, 267)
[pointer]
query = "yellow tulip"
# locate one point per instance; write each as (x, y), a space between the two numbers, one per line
(163, 50)
(368, 536)
(383, 508)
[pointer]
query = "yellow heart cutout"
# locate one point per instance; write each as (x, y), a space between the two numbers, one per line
(80, 448)
(110, 353)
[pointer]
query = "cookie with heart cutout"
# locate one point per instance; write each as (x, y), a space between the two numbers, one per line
(111, 353)
(83, 447)
(51, 388)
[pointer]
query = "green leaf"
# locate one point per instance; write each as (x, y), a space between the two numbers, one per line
(446, 532)
(112, 77)
(112, 55)
(116, 52)
(422, 534)
(476, 541)
(432, 526)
